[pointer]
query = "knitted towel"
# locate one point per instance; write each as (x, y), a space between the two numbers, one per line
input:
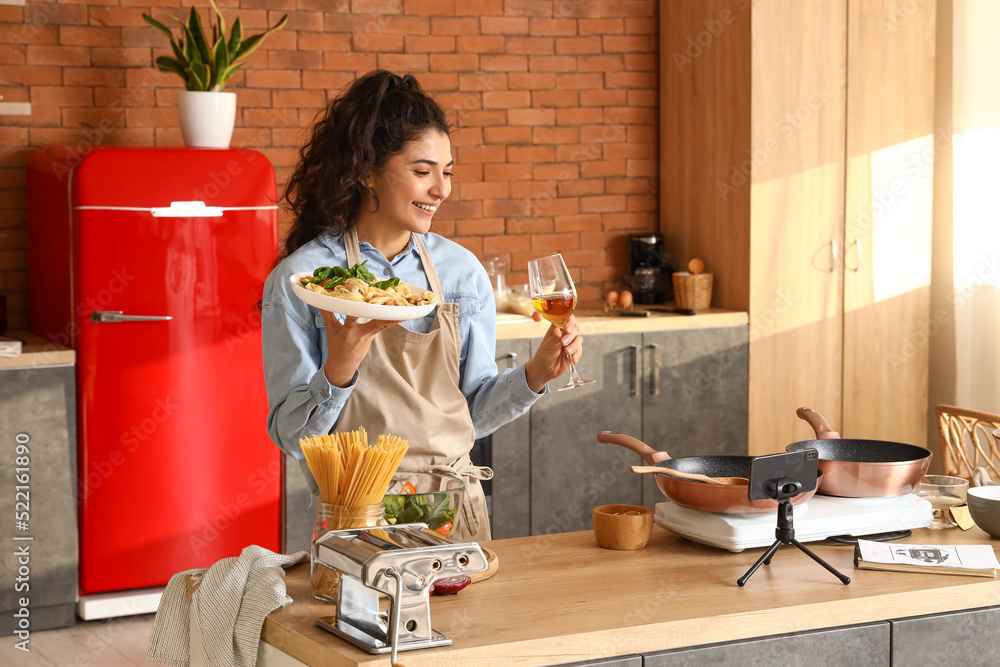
(229, 608)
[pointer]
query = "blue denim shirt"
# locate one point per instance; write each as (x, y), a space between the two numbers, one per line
(303, 403)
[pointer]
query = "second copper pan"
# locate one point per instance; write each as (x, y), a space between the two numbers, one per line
(862, 468)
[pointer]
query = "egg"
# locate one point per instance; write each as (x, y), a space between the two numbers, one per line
(625, 299)
(611, 298)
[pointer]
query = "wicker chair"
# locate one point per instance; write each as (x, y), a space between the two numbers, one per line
(968, 441)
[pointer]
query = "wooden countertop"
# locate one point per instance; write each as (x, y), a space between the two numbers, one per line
(593, 320)
(36, 351)
(561, 598)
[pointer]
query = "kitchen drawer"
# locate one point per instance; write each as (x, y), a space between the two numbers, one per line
(966, 638)
(550, 469)
(699, 407)
(571, 472)
(861, 645)
(621, 661)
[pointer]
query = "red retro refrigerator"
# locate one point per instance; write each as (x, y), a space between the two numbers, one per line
(150, 263)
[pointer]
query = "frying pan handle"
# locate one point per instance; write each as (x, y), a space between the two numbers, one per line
(649, 455)
(818, 423)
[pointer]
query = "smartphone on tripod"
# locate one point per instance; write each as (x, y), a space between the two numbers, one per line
(784, 475)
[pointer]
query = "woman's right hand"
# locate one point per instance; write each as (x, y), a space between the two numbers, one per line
(347, 344)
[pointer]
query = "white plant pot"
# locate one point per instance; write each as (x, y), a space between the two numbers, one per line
(207, 118)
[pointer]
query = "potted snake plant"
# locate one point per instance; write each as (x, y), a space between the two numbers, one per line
(205, 60)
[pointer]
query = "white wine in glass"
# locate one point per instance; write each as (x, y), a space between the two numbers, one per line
(553, 294)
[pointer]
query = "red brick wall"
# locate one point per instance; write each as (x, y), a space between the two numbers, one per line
(555, 100)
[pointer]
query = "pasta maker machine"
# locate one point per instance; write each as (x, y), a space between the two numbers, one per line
(400, 562)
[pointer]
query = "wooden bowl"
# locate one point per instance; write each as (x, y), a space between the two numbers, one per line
(615, 528)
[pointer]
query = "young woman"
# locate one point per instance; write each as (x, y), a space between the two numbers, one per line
(367, 186)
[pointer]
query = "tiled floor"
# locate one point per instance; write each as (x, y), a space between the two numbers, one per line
(115, 642)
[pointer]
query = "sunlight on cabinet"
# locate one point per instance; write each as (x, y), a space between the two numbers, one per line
(892, 228)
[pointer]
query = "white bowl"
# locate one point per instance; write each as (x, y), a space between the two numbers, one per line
(984, 505)
(360, 309)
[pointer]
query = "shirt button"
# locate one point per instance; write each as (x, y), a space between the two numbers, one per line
(386, 272)
(326, 393)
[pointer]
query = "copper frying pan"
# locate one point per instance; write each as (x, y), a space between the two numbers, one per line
(862, 468)
(720, 498)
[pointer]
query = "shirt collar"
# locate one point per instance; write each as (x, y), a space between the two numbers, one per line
(338, 247)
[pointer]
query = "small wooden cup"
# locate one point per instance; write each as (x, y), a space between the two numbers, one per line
(614, 528)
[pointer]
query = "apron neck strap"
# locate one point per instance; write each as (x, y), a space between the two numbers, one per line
(432, 274)
(353, 248)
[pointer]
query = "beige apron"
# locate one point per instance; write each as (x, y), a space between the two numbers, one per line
(409, 387)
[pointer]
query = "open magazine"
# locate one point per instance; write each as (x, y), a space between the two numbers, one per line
(976, 560)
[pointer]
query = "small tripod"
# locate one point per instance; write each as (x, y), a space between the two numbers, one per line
(783, 490)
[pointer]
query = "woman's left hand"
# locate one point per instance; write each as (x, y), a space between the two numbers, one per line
(553, 355)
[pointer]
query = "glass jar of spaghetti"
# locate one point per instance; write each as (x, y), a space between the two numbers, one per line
(338, 517)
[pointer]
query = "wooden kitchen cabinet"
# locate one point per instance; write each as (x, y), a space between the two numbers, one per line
(796, 157)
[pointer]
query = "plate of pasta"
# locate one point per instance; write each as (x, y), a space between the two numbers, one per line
(355, 293)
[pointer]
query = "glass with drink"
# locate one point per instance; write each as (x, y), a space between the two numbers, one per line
(553, 294)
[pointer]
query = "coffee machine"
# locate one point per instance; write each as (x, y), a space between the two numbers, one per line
(650, 281)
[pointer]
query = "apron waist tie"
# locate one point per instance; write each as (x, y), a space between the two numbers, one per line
(460, 468)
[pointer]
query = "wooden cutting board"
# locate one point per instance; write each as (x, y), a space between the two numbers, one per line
(494, 564)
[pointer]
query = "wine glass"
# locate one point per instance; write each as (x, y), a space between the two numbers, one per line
(943, 492)
(553, 294)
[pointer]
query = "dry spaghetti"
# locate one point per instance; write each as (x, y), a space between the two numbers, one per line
(349, 471)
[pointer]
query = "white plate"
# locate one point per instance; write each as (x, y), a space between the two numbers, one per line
(360, 309)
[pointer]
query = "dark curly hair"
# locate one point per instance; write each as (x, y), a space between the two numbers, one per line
(359, 131)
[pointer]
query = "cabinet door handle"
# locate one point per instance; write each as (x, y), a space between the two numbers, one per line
(834, 251)
(635, 370)
(861, 249)
(117, 316)
(511, 358)
(654, 388)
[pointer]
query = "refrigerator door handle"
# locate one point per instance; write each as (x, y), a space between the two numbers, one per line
(117, 316)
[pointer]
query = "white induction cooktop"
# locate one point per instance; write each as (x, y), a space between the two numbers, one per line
(818, 518)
